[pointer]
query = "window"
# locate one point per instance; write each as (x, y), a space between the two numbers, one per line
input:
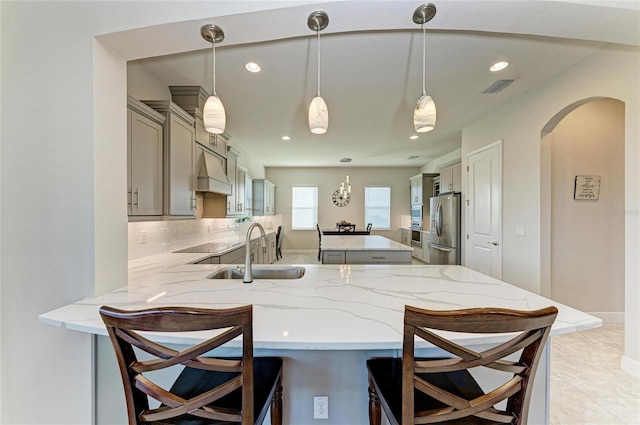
(377, 207)
(304, 208)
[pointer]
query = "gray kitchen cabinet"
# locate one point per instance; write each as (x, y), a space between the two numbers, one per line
(264, 197)
(179, 158)
(271, 248)
(237, 175)
(257, 252)
(333, 257)
(378, 257)
(451, 179)
(406, 237)
(144, 160)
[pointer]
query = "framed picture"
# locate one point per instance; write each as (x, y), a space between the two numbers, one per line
(586, 188)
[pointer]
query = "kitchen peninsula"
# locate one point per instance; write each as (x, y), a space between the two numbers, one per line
(325, 324)
(355, 249)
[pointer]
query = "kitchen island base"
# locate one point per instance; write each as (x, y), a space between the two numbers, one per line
(305, 374)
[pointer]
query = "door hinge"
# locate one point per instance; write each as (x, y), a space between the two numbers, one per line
(467, 236)
(467, 168)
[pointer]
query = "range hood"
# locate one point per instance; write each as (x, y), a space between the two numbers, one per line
(211, 177)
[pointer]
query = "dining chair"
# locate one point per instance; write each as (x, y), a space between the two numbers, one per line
(279, 235)
(441, 390)
(208, 389)
(346, 227)
(319, 240)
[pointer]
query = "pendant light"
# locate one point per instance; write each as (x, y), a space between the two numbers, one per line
(213, 115)
(424, 115)
(318, 112)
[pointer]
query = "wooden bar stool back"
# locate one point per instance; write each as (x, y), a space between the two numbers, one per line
(208, 390)
(441, 390)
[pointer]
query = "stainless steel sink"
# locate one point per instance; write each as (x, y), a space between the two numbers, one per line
(259, 273)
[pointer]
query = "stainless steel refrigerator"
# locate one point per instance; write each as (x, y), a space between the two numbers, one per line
(444, 246)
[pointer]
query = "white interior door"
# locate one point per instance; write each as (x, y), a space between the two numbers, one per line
(484, 210)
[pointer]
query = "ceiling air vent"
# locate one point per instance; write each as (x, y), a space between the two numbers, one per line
(413, 157)
(498, 86)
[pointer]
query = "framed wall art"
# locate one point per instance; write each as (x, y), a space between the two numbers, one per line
(586, 188)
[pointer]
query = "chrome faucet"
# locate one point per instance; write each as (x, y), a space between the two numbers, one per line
(248, 276)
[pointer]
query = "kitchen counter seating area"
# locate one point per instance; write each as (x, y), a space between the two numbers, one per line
(337, 316)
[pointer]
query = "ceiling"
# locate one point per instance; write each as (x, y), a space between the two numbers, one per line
(371, 66)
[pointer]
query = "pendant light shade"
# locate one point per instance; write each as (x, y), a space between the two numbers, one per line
(424, 115)
(318, 111)
(318, 116)
(213, 115)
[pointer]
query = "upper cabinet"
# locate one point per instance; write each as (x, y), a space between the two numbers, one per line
(451, 179)
(144, 159)
(416, 189)
(264, 197)
(179, 158)
(236, 174)
(421, 188)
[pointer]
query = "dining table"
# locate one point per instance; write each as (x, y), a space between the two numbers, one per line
(333, 232)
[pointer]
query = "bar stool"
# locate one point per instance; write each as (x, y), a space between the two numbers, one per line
(209, 389)
(441, 390)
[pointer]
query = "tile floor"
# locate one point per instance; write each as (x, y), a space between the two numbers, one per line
(587, 385)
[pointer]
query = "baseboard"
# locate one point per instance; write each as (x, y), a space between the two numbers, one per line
(609, 316)
(631, 366)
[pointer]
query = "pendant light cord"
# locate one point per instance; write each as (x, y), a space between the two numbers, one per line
(318, 33)
(424, 40)
(214, 66)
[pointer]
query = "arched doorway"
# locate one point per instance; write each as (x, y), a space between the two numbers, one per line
(582, 241)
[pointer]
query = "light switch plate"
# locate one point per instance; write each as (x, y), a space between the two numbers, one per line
(519, 230)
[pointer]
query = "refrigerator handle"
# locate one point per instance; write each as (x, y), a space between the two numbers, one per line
(439, 225)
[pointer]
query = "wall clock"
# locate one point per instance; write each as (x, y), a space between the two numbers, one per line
(340, 200)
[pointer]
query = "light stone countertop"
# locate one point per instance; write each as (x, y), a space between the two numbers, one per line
(361, 243)
(332, 307)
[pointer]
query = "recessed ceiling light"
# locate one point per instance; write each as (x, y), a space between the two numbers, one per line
(414, 137)
(498, 66)
(286, 138)
(252, 67)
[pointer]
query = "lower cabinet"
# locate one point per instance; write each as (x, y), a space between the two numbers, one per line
(406, 237)
(271, 248)
(378, 257)
(333, 257)
(366, 257)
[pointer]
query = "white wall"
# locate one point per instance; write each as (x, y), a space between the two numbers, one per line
(587, 236)
(328, 180)
(63, 170)
(611, 73)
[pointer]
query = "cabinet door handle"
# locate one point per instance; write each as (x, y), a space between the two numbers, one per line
(135, 192)
(193, 202)
(129, 197)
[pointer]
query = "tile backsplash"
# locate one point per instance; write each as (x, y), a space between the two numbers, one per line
(156, 237)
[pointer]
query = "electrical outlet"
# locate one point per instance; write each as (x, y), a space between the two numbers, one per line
(143, 237)
(321, 407)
